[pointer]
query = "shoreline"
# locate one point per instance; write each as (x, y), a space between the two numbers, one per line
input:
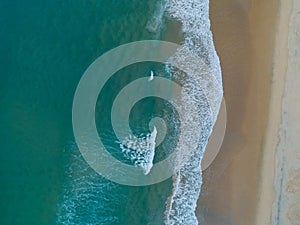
(267, 186)
(285, 160)
(244, 36)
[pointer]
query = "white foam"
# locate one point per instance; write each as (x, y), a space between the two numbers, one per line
(194, 16)
(154, 24)
(140, 150)
(151, 75)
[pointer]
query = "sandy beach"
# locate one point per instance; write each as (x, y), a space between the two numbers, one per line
(281, 162)
(256, 42)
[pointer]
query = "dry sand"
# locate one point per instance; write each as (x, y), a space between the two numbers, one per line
(244, 35)
(281, 161)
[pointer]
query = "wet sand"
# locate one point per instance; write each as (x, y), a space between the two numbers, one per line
(244, 35)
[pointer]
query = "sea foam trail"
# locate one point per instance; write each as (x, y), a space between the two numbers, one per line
(140, 150)
(194, 16)
(154, 24)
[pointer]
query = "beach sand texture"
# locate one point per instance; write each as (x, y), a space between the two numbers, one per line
(255, 179)
(283, 132)
(245, 33)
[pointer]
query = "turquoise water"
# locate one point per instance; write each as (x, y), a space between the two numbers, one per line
(45, 48)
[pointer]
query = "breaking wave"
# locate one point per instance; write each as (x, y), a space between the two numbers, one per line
(140, 150)
(203, 76)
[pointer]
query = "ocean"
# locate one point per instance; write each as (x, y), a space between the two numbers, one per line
(46, 46)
